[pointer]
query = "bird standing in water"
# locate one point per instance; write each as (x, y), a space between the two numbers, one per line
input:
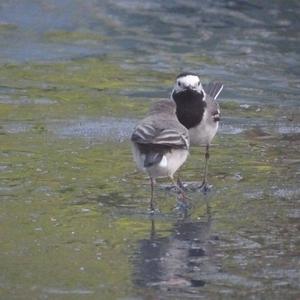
(198, 111)
(160, 144)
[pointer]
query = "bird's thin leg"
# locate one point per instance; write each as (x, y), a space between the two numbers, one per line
(180, 190)
(180, 183)
(152, 233)
(183, 204)
(204, 182)
(151, 200)
(206, 164)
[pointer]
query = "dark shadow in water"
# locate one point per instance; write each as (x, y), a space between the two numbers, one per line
(174, 261)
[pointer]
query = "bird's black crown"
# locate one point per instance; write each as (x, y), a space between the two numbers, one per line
(186, 74)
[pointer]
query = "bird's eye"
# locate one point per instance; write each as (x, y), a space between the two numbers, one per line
(179, 83)
(198, 83)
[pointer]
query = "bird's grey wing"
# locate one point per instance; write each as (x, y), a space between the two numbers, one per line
(173, 138)
(143, 134)
(213, 89)
(154, 141)
(149, 134)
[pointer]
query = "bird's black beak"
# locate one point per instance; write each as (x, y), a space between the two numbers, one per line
(188, 87)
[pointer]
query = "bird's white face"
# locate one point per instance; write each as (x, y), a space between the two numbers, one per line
(185, 82)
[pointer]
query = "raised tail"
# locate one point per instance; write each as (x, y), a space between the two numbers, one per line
(213, 89)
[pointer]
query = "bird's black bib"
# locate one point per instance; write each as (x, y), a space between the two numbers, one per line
(190, 107)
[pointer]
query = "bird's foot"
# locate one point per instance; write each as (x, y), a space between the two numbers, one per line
(183, 201)
(168, 187)
(152, 210)
(177, 189)
(183, 186)
(205, 187)
(192, 186)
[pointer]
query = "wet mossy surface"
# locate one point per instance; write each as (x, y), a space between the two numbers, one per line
(74, 210)
(74, 219)
(88, 87)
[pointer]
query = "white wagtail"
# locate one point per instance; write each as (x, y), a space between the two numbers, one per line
(198, 111)
(160, 144)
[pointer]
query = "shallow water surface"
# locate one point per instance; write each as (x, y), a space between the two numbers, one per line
(75, 77)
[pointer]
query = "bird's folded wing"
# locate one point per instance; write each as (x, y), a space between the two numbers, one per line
(172, 137)
(147, 134)
(143, 134)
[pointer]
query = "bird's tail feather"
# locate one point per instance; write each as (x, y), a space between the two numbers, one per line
(152, 158)
(213, 89)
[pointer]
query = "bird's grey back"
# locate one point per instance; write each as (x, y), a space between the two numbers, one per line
(163, 116)
(162, 127)
(163, 106)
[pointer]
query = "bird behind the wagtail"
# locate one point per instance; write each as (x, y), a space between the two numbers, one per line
(160, 144)
(198, 111)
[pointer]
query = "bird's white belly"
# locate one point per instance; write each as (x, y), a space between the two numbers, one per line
(203, 133)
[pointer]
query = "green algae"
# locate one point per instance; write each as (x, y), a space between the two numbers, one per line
(83, 73)
(87, 87)
(73, 36)
(76, 239)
